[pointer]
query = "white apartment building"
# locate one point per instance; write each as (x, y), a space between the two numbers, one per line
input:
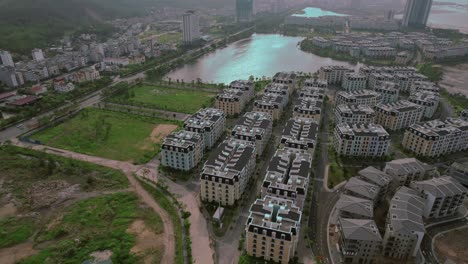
(436, 138)
(443, 196)
(287, 78)
(375, 78)
(370, 140)
(227, 172)
(404, 171)
(182, 150)
(209, 123)
(6, 58)
(300, 133)
(233, 100)
(428, 100)
(254, 127)
(38, 55)
(287, 175)
(404, 228)
(308, 107)
(399, 115)
(389, 91)
(190, 27)
(405, 81)
(360, 97)
(354, 81)
(333, 74)
(269, 103)
(354, 114)
(272, 229)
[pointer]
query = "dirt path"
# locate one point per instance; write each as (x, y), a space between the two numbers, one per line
(15, 253)
(129, 169)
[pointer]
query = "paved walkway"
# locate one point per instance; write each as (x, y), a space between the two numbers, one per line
(129, 169)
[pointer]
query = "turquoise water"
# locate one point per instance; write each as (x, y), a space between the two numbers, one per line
(260, 55)
(317, 12)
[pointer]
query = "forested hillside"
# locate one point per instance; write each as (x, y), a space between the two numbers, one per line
(25, 24)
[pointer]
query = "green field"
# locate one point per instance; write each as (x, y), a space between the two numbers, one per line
(170, 99)
(106, 134)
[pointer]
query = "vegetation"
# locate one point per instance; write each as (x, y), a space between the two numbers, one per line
(21, 168)
(162, 97)
(93, 225)
(15, 230)
(166, 204)
(106, 134)
(434, 73)
(458, 101)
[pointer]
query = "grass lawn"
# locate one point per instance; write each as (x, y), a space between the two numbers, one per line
(458, 101)
(91, 225)
(175, 100)
(15, 230)
(107, 134)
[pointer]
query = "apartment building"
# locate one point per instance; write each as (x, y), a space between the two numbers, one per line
(436, 138)
(354, 114)
(443, 196)
(333, 74)
(272, 229)
(300, 133)
(308, 107)
(271, 104)
(375, 78)
(287, 175)
(376, 177)
(459, 171)
(369, 140)
(209, 123)
(280, 89)
(404, 227)
(428, 100)
(422, 86)
(404, 171)
(182, 150)
(314, 82)
(362, 189)
(288, 78)
(254, 127)
(226, 173)
(354, 81)
(389, 91)
(312, 92)
(233, 100)
(399, 115)
(356, 208)
(464, 115)
(360, 97)
(360, 240)
(405, 81)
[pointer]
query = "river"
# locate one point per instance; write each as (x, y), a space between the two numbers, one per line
(260, 55)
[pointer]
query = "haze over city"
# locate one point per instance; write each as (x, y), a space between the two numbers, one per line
(233, 131)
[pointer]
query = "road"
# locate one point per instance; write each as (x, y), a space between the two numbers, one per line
(93, 98)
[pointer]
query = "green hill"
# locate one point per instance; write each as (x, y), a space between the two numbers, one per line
(26, 24)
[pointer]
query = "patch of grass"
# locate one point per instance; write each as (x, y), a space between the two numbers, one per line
(166, 204)
(170, 99)
(14, 230)
(434, 73)
(106, 134)
(21, 168)
(458, 101)
(91, 225)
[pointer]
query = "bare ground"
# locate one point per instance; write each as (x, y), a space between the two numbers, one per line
(8, 209)
(146, 242)
(161, 131)
(455, 79)
(14, 254)
(453, 245)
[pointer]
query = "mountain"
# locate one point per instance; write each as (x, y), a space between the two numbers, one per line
(26, 24)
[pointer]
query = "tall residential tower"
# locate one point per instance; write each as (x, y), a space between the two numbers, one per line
(190, 27)
(244, 10)
(416, 13)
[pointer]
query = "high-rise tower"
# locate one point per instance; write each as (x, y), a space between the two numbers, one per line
(416, 13)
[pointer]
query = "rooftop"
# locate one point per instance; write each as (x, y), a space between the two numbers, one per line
(359, 229)
(365, 189)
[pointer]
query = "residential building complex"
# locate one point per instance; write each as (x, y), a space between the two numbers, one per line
(287, 175)
(436, 138)
(226, 173)
(254, 127)
(369, 140)
(360, 97)
(443, 196)
(399, 115)
(209, 123)
(182, 150)
(428, 100)
(333, 74)
(272, 230)
(354, 114)
(300, 133)
(354, 81)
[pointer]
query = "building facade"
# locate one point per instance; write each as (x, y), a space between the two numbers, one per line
(182, 150)
(354, 81)
(254, 127)
(428, 100)
(190, 27)
(416, 13)
(308, 107)
(333, 74)
(399, 115)
(369, 140)
(354, 114)
(361, 97)
(209, 123)
(300, 133)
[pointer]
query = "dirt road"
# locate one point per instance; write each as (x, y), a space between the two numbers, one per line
(455, 79)
(129, 169)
